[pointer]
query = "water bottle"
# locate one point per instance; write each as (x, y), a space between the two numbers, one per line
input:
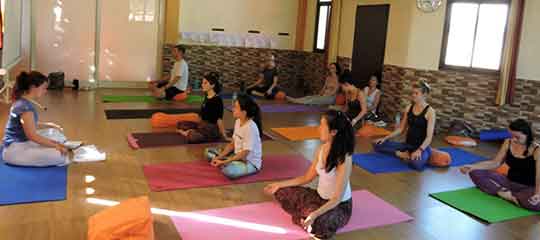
(234, 96)
(398, 120)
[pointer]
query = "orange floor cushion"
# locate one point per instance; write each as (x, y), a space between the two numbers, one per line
(503, 170)
(340, 99)
(280, 96)
(439, 158)
(163, 120)
(181, 97)
(369, 131)
(129, 220)
(461, 141)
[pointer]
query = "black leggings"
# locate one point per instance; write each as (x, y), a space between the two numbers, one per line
(263, 90)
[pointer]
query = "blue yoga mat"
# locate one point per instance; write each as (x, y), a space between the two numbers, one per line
(28, 185)
(381, 163)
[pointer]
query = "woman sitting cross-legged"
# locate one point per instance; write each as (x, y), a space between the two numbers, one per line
(419, 124)
(23, 146)
(242, 156)
(328, 93)
(356, 105)
(373, 96)
(522, 186)
(323, 211)
(210, 126)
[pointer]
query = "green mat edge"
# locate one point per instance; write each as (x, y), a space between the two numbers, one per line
(490, 220)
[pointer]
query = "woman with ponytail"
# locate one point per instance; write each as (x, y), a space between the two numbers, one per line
(522, 186)
(323, 211)
(23, 146)
(242, 156)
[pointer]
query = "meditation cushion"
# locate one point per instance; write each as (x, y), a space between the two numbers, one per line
(369, 131)
(494, 135)
(439, 158)
(503, 170)
(281, 95)
(163, 120)
(129, 220)
(461, 141)
(180, 97)
(340, 99)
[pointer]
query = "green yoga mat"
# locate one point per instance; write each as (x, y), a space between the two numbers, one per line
(481, 205)
(146, 99)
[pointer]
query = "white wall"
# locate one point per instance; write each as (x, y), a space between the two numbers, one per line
(240, 16)
(529, 55)
(13, 32)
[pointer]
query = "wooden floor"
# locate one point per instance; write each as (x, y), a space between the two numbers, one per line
(121, 177)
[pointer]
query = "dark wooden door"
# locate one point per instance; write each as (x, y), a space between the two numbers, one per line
(369, 42)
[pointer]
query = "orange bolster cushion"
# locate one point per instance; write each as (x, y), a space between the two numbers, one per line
(281, 95)
(180, 97)
(370, 131)
(461, 141)
(163, 120)
(340, 99)
(503, 170)
(131, 219)
(439, 158)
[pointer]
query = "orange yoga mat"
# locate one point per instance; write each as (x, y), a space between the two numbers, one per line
(298, 133)
(369, 131)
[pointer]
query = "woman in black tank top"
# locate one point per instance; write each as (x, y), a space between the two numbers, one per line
(356, 106)
(522, 155)
(419, 125)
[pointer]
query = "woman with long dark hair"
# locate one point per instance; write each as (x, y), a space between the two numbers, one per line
(23, 146)
(242, 156)
(323, 211)
(328, 93)
(355, 100)
(210, 125)
(522, 155)
(419, 124)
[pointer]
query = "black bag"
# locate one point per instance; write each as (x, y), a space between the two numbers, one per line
(461, 128)
(56, 81)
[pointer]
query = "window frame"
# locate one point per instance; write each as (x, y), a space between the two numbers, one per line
(446, 32)
(317, 16)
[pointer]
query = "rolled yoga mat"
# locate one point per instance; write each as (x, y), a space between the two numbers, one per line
(146, 99)
(481, 205)
(200, 174)
(267, 221)
(382, 163)
(115, 114)
(28, 184)
(168, 139)
(285, 108)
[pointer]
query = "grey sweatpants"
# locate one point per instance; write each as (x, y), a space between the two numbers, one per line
(31, 154)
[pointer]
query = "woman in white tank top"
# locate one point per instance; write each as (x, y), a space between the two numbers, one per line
(323, 211)
(373, 95)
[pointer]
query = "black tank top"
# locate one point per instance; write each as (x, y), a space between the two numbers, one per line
(417, 128)
(353, 108)
(522, 170)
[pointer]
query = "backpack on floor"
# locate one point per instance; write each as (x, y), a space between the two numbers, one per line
(461, 128)
(56, 81)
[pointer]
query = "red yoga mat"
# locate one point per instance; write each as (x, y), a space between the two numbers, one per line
(199, 174)
(267, 221)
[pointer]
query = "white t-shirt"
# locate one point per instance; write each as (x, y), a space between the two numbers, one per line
(371, 97)
(247, 138)
(180, 69)
(327, 182)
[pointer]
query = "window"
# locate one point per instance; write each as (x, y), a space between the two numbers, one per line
(324, 9)
(474, 34)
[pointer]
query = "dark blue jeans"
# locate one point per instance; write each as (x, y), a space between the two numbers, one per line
(391, 147)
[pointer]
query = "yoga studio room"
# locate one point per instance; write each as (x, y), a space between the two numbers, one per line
(269, 119)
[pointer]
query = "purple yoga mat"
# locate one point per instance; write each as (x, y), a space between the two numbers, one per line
(267, 221)
(172, 176)
(285, 108)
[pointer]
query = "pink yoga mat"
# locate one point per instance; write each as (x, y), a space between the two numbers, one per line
(172, 176)
(267, 221)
